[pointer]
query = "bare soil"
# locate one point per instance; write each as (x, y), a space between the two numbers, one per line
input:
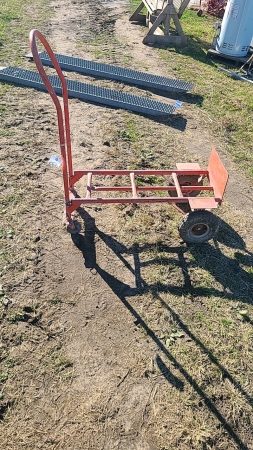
(85, 358)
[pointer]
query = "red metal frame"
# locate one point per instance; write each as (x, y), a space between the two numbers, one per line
(216, 173)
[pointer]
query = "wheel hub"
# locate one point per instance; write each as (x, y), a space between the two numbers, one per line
(200, 230)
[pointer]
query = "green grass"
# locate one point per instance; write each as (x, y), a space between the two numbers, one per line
(15, 25)
(59, 361)
(195, 303)
(9, 11)
(15, 317)
(226, 103)
(130, 132)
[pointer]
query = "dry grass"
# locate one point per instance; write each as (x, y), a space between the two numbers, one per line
(175, 362)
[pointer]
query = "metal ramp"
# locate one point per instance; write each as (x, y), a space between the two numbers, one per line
(129, 76)
(117, 73)
(89, 92)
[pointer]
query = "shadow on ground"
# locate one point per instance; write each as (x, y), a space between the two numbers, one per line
(226, 271)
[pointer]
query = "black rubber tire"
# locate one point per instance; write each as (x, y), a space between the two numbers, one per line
(198, 227)
(221, 13)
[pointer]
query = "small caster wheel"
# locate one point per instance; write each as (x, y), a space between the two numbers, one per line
(73, 227)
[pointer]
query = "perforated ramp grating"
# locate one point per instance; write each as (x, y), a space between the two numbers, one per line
(89, 92)
(117, 73)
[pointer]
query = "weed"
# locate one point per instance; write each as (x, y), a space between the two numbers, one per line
(55, 300)
(226, 322)
(10, 363)
(15, 316)
(199, 315)
(3, 377)
(6, 133)
(99, 54)
(6, 233)
(131, 132)
(59, 361)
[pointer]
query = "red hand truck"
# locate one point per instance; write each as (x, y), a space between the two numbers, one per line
(186, 186)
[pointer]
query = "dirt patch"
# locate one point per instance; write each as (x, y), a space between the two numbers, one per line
(119, 337)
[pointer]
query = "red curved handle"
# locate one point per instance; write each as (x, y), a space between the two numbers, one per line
(63, 121)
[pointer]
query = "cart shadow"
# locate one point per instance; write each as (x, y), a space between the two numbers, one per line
(86, 244)
(236, 283)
